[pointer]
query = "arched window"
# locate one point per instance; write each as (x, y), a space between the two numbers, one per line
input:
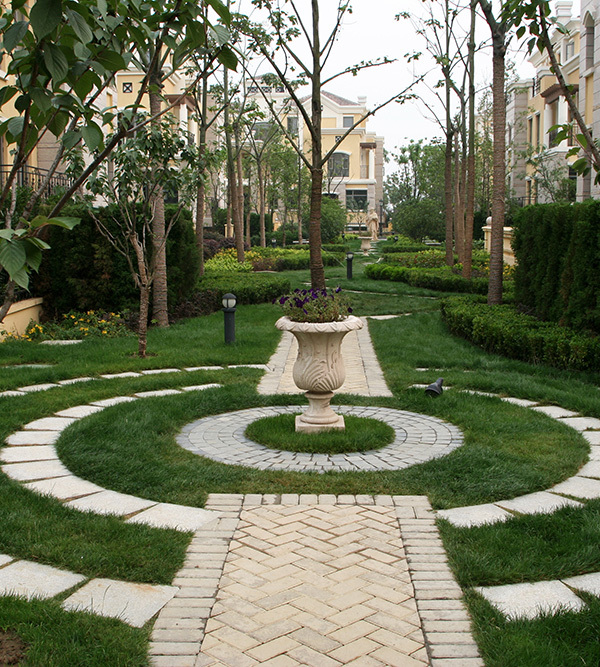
(589, 41)
(339, 165)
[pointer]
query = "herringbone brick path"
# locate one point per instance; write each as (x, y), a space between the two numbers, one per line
(315, 585)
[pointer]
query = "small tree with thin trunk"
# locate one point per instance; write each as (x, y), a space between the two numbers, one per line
(284, 54)
(142, 165)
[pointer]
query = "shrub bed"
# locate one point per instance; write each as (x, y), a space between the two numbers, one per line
(442, 279)
(403, 244)
(249, 288)
(506, 331)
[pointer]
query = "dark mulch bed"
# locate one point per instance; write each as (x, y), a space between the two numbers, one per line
(12, 649)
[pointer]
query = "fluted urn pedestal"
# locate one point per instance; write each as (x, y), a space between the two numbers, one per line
(319, 369)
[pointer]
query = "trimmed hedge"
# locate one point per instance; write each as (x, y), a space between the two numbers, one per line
(503, 330)
(82, 271)
(407, 245)
(249, 288)
(557, 248)
(442, 279)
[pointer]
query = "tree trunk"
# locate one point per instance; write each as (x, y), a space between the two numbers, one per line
(299, 200)
(459, 215)
(239, 229)
(448, 197)
(160, 310)
(200, 205)
(261, 203)
(499, 173)
(470, 208)
(9, 297)
(143, 282)
(317, 272)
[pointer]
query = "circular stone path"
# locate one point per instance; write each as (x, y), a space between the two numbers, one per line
(419, 438)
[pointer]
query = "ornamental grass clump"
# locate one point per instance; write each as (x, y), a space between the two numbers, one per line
(315, 305)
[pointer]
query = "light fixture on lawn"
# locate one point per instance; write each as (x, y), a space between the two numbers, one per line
(349, 258)
(229, 302)
(435, 389)
(274, 242)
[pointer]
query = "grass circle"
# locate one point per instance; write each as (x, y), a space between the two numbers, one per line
(361, 435)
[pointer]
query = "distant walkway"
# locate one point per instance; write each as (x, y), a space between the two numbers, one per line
(363, 372)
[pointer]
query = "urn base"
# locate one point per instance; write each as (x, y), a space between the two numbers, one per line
(319, 416)
(307, 427)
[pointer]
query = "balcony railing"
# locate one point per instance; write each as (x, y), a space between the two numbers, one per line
(33, 177)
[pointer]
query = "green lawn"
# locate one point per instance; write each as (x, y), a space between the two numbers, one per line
(508, 451)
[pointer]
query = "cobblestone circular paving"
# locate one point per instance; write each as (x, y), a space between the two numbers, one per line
(419, 438)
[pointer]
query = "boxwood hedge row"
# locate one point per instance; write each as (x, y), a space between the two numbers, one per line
(442, 279)
(506, 331)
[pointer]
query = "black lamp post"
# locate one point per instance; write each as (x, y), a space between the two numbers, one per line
(396, 238)
(381, 217)
(349, 258)
(229, 300)
(274, 242)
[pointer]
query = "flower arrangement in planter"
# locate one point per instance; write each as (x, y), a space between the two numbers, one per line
(319, 320)
(315, 305)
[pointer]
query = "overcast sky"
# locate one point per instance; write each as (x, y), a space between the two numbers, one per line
(372, 31)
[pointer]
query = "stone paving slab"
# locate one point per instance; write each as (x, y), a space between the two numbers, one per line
(590, 583)
(531, 600)
(179, 517)
(522, 402)
(582, 423)
(109, 402)
(474, 515)
(49, 424)
(555, 411)
(132, 603)
(32, 388)
(579, 487)
(541, 502)
(28, 453)
(75, 380)
(80, 411)
(64, 488)
(32, 438)
(31, 580)
(27, 472)
(110, 502)
(590, 469)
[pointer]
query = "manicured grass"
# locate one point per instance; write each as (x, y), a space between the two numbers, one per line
(553, 546)
(361, 435)
(508, 451)
(57, 638)
(567, 639)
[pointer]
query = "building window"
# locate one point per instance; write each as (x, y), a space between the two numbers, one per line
(347, 121)
(589, 42)
(339, 165)
(538, 130)
(530, 131)
(292, 125)
(128, 87)
(356, 200)
(569, 49)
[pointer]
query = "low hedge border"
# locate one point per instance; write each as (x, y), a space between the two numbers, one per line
(388, 247)
(503, 330)
(442, 279)
(249, 288)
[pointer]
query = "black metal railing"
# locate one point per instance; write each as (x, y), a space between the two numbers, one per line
(33, 177)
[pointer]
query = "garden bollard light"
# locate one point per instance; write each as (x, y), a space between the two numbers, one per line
(349, 258)
(274, 242)
(229, 300)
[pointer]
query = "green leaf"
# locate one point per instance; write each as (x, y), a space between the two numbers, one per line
(34, 255)
(14, 35)
(6, 94)
(42, 245)
(65, 223)
(81, 51)
(92, 135)
(227, 58)
(15, 125)
(21, 277)
(12, 256)
(6, 234)
(40, 98)
(71, 139)
(80, 26)
(21, 103)
(85, 84)
(56, 62)
(57, 124)
(45, 16)
(221, 34)
(111, 60)
(221, 10)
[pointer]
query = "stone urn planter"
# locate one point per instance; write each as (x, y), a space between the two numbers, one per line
(319, 368)
(365, 244)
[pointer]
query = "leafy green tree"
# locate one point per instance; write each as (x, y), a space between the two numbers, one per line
(60, 57)
(150, 162)
(334, 218)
